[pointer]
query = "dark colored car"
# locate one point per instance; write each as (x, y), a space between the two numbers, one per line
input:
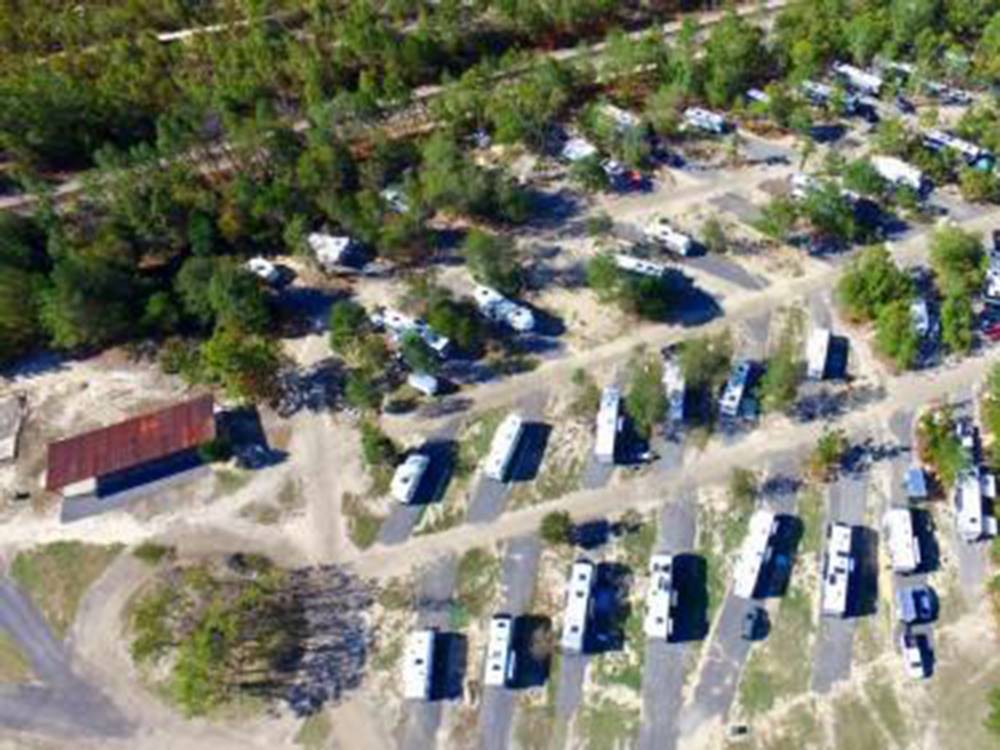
(752, 621)
(915, 604)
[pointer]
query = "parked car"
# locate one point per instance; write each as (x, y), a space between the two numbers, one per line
(916, 650)
(992, 332)
(915, 604)
(752, 622)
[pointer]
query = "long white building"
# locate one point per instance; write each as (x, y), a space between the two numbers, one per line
(418, 664)
(901, 541)
(818, 352)
(838, 564)
(578, 602)
(754, 554)
(499, 654)
(609, 423)
(504, 447)
(661, 598)
(499, 309)
(406, 480)
(973, 154)
(735, 390)
(859, 79)
(705, 120)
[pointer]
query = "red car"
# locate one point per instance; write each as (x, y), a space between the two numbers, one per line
(992, 332)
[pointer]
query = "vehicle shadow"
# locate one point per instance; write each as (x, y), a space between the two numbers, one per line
(450, 659)
(863, 599)
(610, 609)
(530, 452)
(778, 573)
(532, 640)
(691, 583)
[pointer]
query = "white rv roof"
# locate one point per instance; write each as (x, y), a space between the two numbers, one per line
(969, 505)
(503, 446)
(607, 423)
(638, 265)
(578, 591)
(732, 394)
(859, 78)
(328, 248)
(577, 149)
(407, 478)
(904, 548)
(754, 553)
(498, 649)
(660, 597)
(418, 664)
(837, 566)
(817, 351)
(496, 307)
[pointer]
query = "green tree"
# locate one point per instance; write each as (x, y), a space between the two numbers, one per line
(735, 58)
(604, 277)
(895, 335)
(347, 320)
(992, 720)
(645, 401)
(979, 185)
(706, 360)
(939, 447)
(990, 412)
(779, 385)
(829, 212)
(958, 260)
(871, 281)
(714, 236)
(826, 457)
(377, 449)
(957, 323)
(418, 355)
(778, 217)
(191, 284)
(743, 489)
(245, 365)
(459, 321)
(589, 174)
(20, 329)
(90, 301)
(892, 137)
(862, 177)
(493, 261)
(361, 391)
(557, 528)
(238, 300)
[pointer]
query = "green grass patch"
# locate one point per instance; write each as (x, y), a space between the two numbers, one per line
(800, 729)
(477, 581)
(231, 481)
(314, 734)
(362, 524)
(810, 509)
(474, 442)
(854, 725)
(389, 653)
(608, 724)
(152, 553)
(775, 667)
(638, 543)
(57, 575)
(884, 704)
(14, 665)
(536, 728)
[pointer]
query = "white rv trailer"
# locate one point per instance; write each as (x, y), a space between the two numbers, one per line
(504, 447)
(499, 654)
(330, 250)
(578, 598)
(661, 598)
(733, 393)
(659, 230)
(399, 324)
(705, 120)
(754, 554)
(642, 267)
(904, 547)
(406, 480)
(838, 564)
(609, 424)
(939, 139)
(920, 316)
(264, 269)
(622, 119)
(859, 79)
(898, 172)
(674, 387)
(577, 149)
(498, 308)
(418, 664)
(818, 352)
(970, 515)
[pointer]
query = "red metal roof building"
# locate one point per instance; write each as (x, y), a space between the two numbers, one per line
(134, 442)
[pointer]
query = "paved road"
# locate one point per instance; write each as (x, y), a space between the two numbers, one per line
(517, 582)
(569, 691)
(434, 593)
(728, 270)
(64, 703)
(835, 640)
(489, 498)
(663, 670)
